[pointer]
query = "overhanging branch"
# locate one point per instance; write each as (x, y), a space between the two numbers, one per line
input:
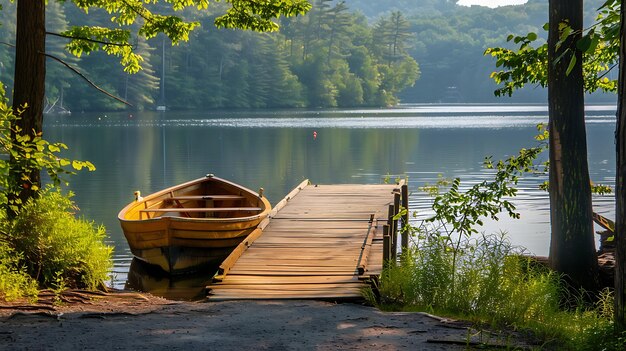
(87, 80)
(87, 39)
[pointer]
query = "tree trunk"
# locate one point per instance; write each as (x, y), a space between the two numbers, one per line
(620, 185)
(572, 248)
(29, 88)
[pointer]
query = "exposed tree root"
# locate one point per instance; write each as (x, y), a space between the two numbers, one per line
(48, 300)
(27, 307)
(476, 344)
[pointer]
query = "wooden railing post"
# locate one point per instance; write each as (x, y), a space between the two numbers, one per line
(396, 210)
(405, 218)
(392, 232)
(386, 245)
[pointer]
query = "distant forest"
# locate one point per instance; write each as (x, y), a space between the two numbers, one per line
(349, 53)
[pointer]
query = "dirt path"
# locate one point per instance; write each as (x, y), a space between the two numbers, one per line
(158, 324)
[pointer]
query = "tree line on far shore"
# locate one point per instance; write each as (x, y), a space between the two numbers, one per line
(328, 58)
(341, 54)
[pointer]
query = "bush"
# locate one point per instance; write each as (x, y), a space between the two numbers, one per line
(58, 249)
(14, 282)
(489, 281)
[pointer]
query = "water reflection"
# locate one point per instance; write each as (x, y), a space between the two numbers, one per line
(184, 287)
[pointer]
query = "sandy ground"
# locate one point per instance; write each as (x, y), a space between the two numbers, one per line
(140, 323)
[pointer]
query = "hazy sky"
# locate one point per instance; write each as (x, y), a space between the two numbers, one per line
(491, 3)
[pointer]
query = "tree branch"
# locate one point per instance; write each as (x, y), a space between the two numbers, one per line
(138, 12)
(87, 39)
(607, 71)
(88, 81)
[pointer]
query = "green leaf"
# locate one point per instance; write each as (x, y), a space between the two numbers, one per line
(53, 148)
(584, 44)
(594, 44)
(572, 63)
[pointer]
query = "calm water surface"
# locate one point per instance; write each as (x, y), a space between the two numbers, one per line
(276, 150)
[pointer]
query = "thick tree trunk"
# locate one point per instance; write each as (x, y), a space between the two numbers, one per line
(572, 249)
(29, 88)
(620, 185)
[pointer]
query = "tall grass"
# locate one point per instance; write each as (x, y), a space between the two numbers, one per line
(14, 282)
(488, 280)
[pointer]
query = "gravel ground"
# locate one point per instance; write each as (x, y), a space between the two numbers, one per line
(157, 324)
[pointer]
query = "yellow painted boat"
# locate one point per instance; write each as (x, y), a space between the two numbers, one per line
(192, 224)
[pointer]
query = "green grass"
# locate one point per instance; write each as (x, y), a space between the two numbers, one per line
(488, 281)
(14, 282)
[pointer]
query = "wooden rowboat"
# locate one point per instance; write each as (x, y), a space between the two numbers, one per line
(192, 224)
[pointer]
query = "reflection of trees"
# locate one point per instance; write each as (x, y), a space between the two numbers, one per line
(277, 158)
(129, 158)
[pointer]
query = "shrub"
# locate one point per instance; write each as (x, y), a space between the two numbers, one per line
(58, 249)
(489, 281)
(14, 282)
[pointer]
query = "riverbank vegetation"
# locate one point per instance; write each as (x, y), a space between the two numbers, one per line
(47, 247)
(452, 269)
(488, 281)
(44, 245)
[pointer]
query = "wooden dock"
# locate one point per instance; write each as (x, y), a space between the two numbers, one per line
(320, 242)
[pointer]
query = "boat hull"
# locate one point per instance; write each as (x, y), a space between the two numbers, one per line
(178, 241)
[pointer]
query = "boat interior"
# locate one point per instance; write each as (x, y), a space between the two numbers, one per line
(208, 199)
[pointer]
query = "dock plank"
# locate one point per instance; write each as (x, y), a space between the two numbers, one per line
(313, 247)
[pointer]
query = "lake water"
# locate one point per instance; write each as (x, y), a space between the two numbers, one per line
(276, 150)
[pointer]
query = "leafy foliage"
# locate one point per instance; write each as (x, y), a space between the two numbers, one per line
(447, 40)
(463, 210)
(56, 248)
(495, 284)
(29, 153)
(246, 14)
(528, 64)
(330, 57)
(44, 243)
(14, 282)
(140, 15)
(458, 212)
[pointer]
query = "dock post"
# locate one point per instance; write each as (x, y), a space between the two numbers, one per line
(386, 246)
(405, 218)
(396, 210)
(392, 232)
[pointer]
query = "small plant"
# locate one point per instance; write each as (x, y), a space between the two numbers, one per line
(58, 249)
(14, 283)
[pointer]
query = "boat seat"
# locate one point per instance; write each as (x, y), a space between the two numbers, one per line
(206, 197)
(202, 209)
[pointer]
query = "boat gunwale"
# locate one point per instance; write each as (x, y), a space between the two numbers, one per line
(165, 191)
